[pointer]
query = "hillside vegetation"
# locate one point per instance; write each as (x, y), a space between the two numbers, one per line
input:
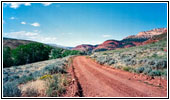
(150, 59)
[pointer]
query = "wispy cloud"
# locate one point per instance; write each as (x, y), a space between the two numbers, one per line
(23, 22)
(46, 4)
(12, 18)
(106, 36)
(35, 24)
(35, 36)
(16, 5)
(20, 34)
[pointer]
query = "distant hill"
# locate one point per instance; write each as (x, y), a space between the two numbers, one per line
(84, 47)
(60, 46)
(13, 43)
(141, 38)
(108, 45)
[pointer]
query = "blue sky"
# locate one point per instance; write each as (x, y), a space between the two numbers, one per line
(72, 24)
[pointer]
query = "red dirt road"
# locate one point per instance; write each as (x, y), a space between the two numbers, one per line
(96, 80)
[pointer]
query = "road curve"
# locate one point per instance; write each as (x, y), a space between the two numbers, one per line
(99, 81)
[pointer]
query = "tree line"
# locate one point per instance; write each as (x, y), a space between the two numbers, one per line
(33, 52)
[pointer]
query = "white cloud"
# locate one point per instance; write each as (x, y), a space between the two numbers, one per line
(35, 24)
(12, 18)
(35, 36)
(46, 4)
(23, 22)
(106, 36)
(15, 5)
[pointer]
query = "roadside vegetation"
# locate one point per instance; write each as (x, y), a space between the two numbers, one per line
(148, 59)
(47, 76)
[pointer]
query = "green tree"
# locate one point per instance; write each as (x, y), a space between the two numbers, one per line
(66, 53)
(74, 52)
(70, 52)
(7, 60)
(56, 53)
(31, 52)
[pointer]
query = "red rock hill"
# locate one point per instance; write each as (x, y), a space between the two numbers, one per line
(141, 38)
